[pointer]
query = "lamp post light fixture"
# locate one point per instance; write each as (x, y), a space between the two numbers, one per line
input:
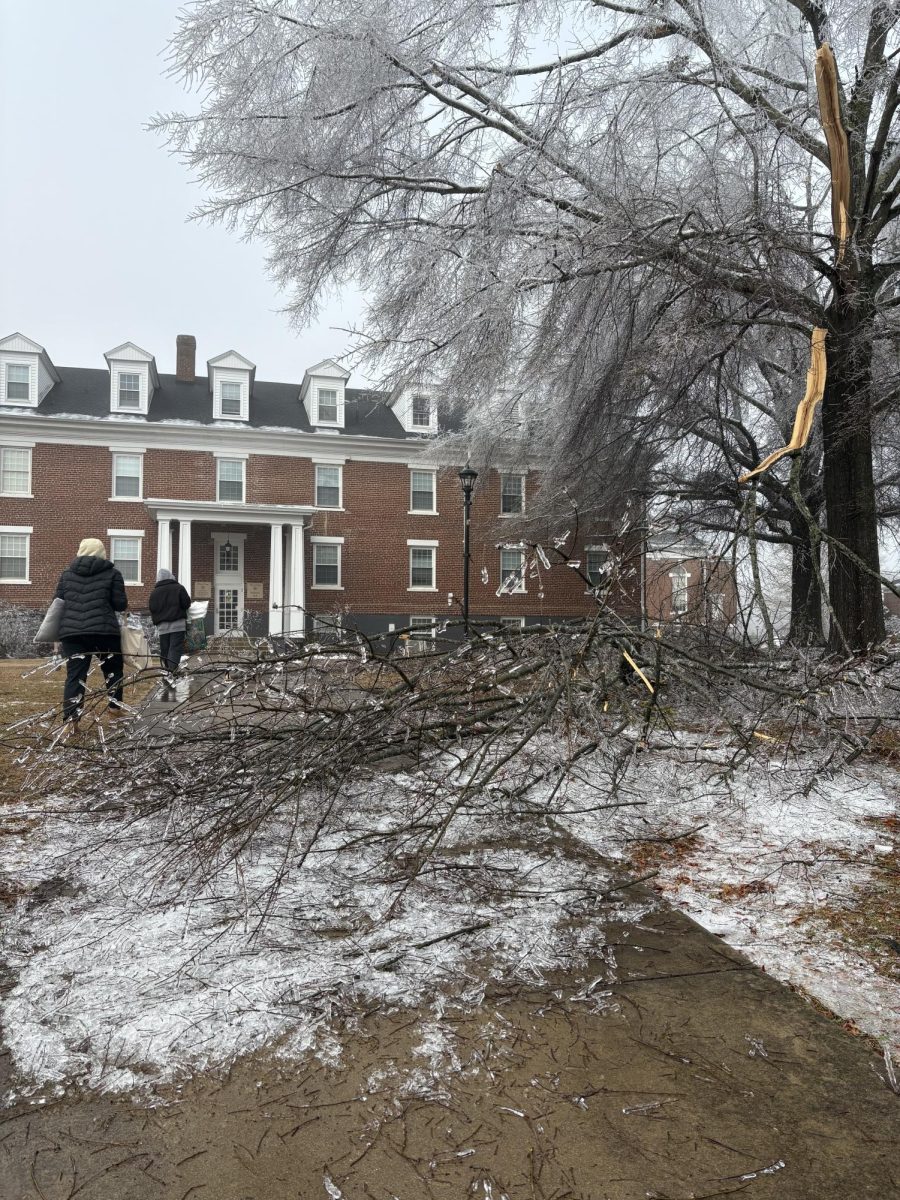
(467, 478)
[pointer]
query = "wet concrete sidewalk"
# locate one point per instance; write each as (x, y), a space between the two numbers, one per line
(669, 1069)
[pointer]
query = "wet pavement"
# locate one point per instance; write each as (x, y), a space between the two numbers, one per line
(669, 1068)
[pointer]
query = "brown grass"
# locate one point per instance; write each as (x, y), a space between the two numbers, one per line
(30, 688)
(872, 922)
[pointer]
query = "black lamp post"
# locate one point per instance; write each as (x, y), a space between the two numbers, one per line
(467, 478)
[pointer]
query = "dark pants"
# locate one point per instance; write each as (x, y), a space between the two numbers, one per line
(171, 648)
(78, 653)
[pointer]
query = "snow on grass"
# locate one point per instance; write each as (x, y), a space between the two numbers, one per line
(772, 842)
(129, 973)
(129, 976)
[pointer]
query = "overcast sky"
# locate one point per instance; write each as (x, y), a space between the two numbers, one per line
(97, 248)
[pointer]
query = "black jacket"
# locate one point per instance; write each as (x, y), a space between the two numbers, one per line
(93, 591)
(169, 601)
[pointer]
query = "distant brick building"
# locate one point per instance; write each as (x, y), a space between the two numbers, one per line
(287, 505)
(684, 583)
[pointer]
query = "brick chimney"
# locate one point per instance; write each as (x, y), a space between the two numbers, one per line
(185, 357)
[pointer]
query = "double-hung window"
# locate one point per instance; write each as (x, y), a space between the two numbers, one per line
(230, 480)
(15, 550)
(596, 561)
(512, 569)
(421, 412)
(230, 399)
(328, 487)
(327, 404)
(15, 471)
(127, 476)
(512, 495)
(422, 491)
(326, 563)
(125, 552)
(679, 579)
(422, 566)
(129, 390)
(18, 381)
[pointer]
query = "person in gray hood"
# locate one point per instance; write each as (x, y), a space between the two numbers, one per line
(169, 603)
(93, 592)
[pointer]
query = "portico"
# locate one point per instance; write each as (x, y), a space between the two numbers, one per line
(224, 534)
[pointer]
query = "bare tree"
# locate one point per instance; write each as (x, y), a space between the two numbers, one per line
(511, 183)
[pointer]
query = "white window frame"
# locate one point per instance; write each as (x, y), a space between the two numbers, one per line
(28, 494)
(597, 549)
(338, 542)
(325, 466)
(132, 534)
(129, 408)
(413, 423)
(332, 421)
(419, 512)
(30, 401)
(520, 588)
(513, 622)
(521, 478)
(139, 455)
(231, 458)
(222, 378)
(683, 577)
(419, 544)
(20, 531)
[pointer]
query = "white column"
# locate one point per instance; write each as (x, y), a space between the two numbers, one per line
(297, 622)
(163, 544)
(276, 581)
(184, 555)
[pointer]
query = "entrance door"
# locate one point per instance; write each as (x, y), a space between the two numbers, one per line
(228, 584)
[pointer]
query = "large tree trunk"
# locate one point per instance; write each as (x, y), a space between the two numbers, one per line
(806, 595)
(854, 592)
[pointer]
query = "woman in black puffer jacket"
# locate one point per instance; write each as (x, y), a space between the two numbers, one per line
(93, 592)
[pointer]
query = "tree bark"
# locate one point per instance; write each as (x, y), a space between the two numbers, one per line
(806, 595)
(848, 483)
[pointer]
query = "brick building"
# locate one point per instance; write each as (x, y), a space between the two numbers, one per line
(286, 505)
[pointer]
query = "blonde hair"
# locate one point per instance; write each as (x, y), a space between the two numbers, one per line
(91, 548)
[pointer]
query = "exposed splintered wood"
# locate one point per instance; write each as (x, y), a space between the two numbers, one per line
(806, 409)
(838, 150)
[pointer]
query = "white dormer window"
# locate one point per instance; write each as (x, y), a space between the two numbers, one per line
(416, 411)
(132, 379)
(421, 412)
(326, 406)
(323, 394)
(231, 382)
(129, 390)
(26, 373)
(231, 399)
(18, 383)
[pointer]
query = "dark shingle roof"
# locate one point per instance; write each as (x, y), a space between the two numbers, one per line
(84, 392)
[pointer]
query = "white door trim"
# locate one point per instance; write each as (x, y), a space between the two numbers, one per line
(228, 579)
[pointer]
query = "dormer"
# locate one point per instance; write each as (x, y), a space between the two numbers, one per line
(26, 372)
(132, 379)
(416, 410)
(322, 394)
(230, 384)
